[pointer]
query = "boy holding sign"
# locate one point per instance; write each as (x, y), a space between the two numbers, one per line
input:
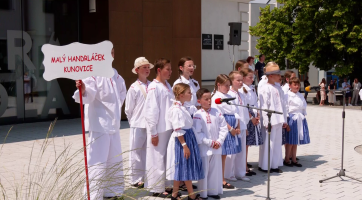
(103, 99)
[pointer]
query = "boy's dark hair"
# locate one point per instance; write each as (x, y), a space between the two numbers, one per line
(201, 92)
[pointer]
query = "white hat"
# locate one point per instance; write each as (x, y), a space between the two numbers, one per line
(139, 62)
(272, 68)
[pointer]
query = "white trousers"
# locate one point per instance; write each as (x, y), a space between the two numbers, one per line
(212, 183)
(137, 156)
(264, 133)
(235, 165)
(105, 167)
(156, 163)
(276, 155)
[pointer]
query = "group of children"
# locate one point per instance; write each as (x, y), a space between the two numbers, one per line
(184, 133)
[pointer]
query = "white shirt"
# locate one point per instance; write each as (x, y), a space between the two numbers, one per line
(103, 99)
(243, 112)
(225, 108)
(297, 106)
(190, 105)
(252, 67)
(209, 126)
(285, 88)
(296, 103)
(157, 103)
(250, 97)
(134, 104)
(273, 98)
(360, 94)
(179, 118)
(262, 82)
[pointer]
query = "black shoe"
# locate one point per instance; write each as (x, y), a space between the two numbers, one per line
(139, 186)
(214, 196)
(114, 198)
(262, 170)
(296, 164)
(248, 174)
(276, 170)
(252, 173)
(162, 195)
(249, 165)
(196, 197)
(289, 164)
(184, 188)
(228, 186)
(175, 198)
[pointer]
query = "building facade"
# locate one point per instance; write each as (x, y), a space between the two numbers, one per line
(151, 28)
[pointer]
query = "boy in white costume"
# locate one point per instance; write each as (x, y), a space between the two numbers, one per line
(135, 100)
(235, 165)
(272, 98)
(103, 99)
(159, 130)
(211, 131)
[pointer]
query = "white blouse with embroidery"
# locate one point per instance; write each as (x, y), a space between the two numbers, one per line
(179, 118)
(209, 127)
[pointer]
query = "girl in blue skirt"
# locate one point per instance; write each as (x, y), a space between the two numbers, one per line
(254, 138)
(183, 155)
(299, 133)
(232, 143)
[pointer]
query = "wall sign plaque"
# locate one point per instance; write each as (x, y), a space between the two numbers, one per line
(206, 41)
(218, 42)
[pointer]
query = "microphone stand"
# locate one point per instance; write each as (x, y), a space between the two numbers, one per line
(269, 114)
(341, 171)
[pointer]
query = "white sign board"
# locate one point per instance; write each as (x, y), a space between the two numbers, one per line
(78, 61)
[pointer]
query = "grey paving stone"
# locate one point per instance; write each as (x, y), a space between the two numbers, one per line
(320, 159)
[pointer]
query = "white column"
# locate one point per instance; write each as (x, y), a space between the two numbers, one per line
(244, 47)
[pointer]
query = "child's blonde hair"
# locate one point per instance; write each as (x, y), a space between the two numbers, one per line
(221, 79)
(233, 73)
(269, 64)
(179, 89)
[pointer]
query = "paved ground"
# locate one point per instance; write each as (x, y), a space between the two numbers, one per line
(320, 159)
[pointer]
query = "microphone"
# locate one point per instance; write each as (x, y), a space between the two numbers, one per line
(225, 100)
(309, 88)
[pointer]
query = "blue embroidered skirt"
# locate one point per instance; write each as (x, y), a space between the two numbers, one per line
(229, 147)
(292, 137)
(254, 132)
(284, 140)
(188, 169)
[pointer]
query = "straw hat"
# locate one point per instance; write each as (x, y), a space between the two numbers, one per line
(272, 68)
(139, 62)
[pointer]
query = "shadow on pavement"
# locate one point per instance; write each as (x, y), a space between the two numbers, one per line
(38, 130)
(308, 161)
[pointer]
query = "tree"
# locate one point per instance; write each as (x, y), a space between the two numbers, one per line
(326, 33)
